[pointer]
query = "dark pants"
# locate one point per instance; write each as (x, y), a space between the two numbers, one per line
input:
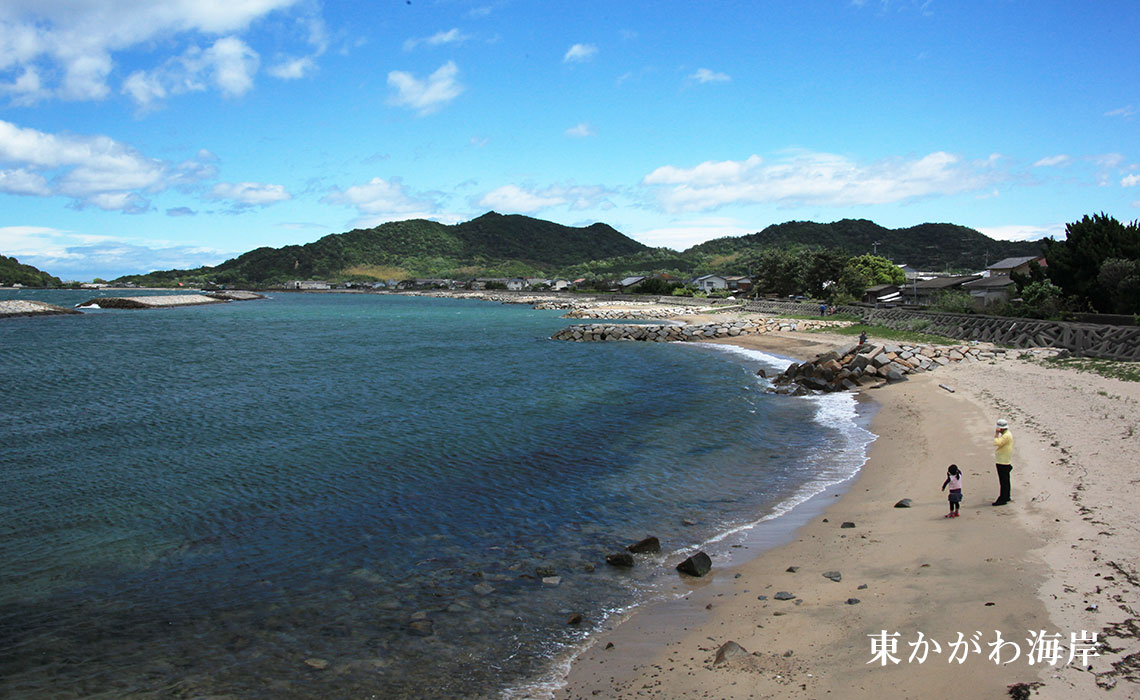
(1003, 471)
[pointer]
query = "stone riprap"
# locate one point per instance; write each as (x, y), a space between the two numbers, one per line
(652, 311)
(151, 302)
(873, 365)
(666, 333)
(20, 307)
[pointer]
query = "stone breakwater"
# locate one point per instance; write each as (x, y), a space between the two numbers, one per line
(664, 333)
(873, 365)
(650, 312)
(169, 300)
(869, 365)
(20, 307)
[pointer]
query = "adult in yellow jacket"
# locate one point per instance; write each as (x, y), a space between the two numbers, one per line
(1003, 453)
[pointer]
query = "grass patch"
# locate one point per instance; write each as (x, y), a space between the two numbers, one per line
(1124, 371)
(376, 273)
(817, 317)
(881, 333)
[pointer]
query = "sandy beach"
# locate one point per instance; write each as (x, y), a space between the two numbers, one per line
(1057, 564)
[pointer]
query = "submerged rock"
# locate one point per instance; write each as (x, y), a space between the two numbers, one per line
(649, 545)
(620, 559)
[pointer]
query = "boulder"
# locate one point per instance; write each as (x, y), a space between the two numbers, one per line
(697, 565)
(784, 595)
(729, 651)
(620, 559)
(649, 545)
(833, 575)
(903, 503)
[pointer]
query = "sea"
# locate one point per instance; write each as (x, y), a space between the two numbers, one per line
(322, 495)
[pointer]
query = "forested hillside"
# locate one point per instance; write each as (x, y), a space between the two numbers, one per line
(926, 246)
(490, 244)
(495, 245)
(12, 271)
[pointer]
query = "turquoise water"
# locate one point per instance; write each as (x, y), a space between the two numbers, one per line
(326, 495)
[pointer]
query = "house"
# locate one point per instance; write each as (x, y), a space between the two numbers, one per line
(516, 284)
(535, 282)
(881, 294)
(307, 285)
(559, 284)
(928, 291)
(630, 282)
(990, 290)
(708, 283)
(1021, 266)
(739, 283)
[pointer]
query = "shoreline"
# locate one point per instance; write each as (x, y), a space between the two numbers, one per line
(921, 572)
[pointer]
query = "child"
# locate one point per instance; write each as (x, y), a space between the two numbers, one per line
(954, 481)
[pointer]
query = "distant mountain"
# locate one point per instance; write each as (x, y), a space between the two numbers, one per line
(495, 245)
(511, 244)
(12, 271)
(926, 246)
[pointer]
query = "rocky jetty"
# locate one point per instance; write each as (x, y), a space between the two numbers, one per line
(649, 312)
(665, 333)
(873, 365)
(20, 307)
(168, 300)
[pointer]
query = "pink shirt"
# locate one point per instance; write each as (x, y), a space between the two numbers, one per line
(955, 482)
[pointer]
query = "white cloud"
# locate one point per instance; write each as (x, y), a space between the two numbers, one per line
(451, 36)
(580, 53)
(1130, 180)
(1053, 161)
(20, 181)
(77, 41)
(429, 95)
(816, 179)
(72, 255)
(517, 200)
(1126, 111)
(93, 170)
(680, 235)
(704, 75)
(250, 194)
(580, 131)
(228, 65)
(384, 200)
(293, 68)
(1023, 233)
(512, 199)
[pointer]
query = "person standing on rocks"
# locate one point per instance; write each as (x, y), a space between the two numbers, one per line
(1003, 452)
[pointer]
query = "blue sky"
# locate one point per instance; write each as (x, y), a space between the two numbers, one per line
(141, 135)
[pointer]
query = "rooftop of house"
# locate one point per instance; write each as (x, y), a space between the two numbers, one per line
(1010, 263)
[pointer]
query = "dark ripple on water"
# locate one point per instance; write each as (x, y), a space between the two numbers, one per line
(269, 499)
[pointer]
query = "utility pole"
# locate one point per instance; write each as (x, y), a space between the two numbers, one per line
(875, 246)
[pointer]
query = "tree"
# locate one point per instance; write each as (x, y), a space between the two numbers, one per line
(822, 271)
(1120, 281)
(876, 269)
(1075, 264)
(776, 271)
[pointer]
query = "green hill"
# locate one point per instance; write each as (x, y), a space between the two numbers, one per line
(12, 271)
(490, 244)
(495, 245)
(925, 247)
